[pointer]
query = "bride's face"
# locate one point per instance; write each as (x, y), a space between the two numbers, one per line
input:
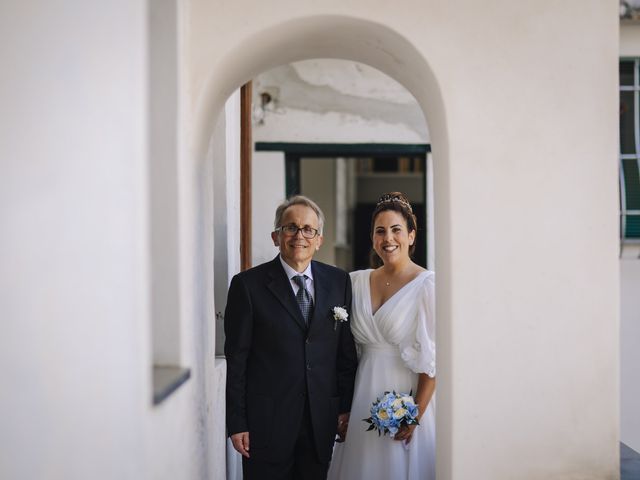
(391, 237)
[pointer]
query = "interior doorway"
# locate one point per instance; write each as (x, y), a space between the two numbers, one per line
(346, 181)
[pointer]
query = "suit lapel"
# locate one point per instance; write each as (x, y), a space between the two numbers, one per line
(320, 285)
(279, 285)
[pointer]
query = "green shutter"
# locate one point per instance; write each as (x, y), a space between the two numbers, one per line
(631, 183)
(632, 196)
(630, 158)
(632, 226)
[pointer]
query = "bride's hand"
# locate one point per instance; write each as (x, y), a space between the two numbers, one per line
(343, 424)
(405, 433)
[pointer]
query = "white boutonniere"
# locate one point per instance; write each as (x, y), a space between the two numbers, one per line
(340, 314)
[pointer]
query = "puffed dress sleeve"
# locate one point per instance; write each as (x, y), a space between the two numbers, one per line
(418, 348)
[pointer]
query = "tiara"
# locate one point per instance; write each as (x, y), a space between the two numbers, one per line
(394, 197)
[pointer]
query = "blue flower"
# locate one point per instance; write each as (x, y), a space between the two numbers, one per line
(392, 410)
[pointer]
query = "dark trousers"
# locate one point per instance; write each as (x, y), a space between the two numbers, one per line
(302, 465)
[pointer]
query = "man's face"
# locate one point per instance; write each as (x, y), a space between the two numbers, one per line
(297, 250)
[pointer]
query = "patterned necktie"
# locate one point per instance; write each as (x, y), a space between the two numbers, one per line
(305, 302)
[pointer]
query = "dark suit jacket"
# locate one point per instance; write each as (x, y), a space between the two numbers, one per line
(275, 363)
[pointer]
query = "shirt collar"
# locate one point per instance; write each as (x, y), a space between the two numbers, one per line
(292, 273)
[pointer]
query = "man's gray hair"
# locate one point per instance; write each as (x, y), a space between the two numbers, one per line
(298, 200)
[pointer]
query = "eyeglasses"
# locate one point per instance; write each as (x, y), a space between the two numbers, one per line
(292, 230)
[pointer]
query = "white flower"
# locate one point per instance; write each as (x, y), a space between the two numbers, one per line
(340, 314)
(407, 400)
(400, 413)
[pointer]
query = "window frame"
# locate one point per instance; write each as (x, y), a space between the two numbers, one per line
(635, 88)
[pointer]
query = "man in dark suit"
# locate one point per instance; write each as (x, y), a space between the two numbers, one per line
(291, 360)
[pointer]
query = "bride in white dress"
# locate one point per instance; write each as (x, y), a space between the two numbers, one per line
(393, 324)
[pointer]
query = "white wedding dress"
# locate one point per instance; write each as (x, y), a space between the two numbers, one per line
(395, 344)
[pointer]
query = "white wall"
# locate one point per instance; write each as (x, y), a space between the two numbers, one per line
(74, 285)
(513, 372)
(346, 102)
(629, 40)
(318, 181)
(225, 156)
(630, 350)
(76, 279)
(163, 196)
(232, 183)
(268, 192)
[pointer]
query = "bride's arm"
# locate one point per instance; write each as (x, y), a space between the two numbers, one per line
(426, 387)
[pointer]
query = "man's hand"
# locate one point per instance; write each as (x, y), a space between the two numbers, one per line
(343, 423)
(241, 443)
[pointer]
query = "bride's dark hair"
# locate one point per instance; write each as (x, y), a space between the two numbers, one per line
(398, 202)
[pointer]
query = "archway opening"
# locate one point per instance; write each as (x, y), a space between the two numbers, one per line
(357, 41)
(342, 133)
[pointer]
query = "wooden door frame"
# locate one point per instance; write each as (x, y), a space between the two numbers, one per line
(246, 149)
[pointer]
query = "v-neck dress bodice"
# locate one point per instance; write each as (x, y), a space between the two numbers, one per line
(394, 344)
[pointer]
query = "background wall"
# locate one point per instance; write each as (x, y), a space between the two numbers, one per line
(268, 193)
(318, 181)
(330, 100)
(516, 333)
(523, 340)
(224, 154)
(629, 351)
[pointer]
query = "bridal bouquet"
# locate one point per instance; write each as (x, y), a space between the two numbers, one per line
(391, 411)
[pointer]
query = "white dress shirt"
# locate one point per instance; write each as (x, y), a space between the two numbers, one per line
(292, 273)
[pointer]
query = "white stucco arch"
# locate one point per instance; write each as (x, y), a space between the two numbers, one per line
(321, 36)
(355, 39)
(364, 41)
